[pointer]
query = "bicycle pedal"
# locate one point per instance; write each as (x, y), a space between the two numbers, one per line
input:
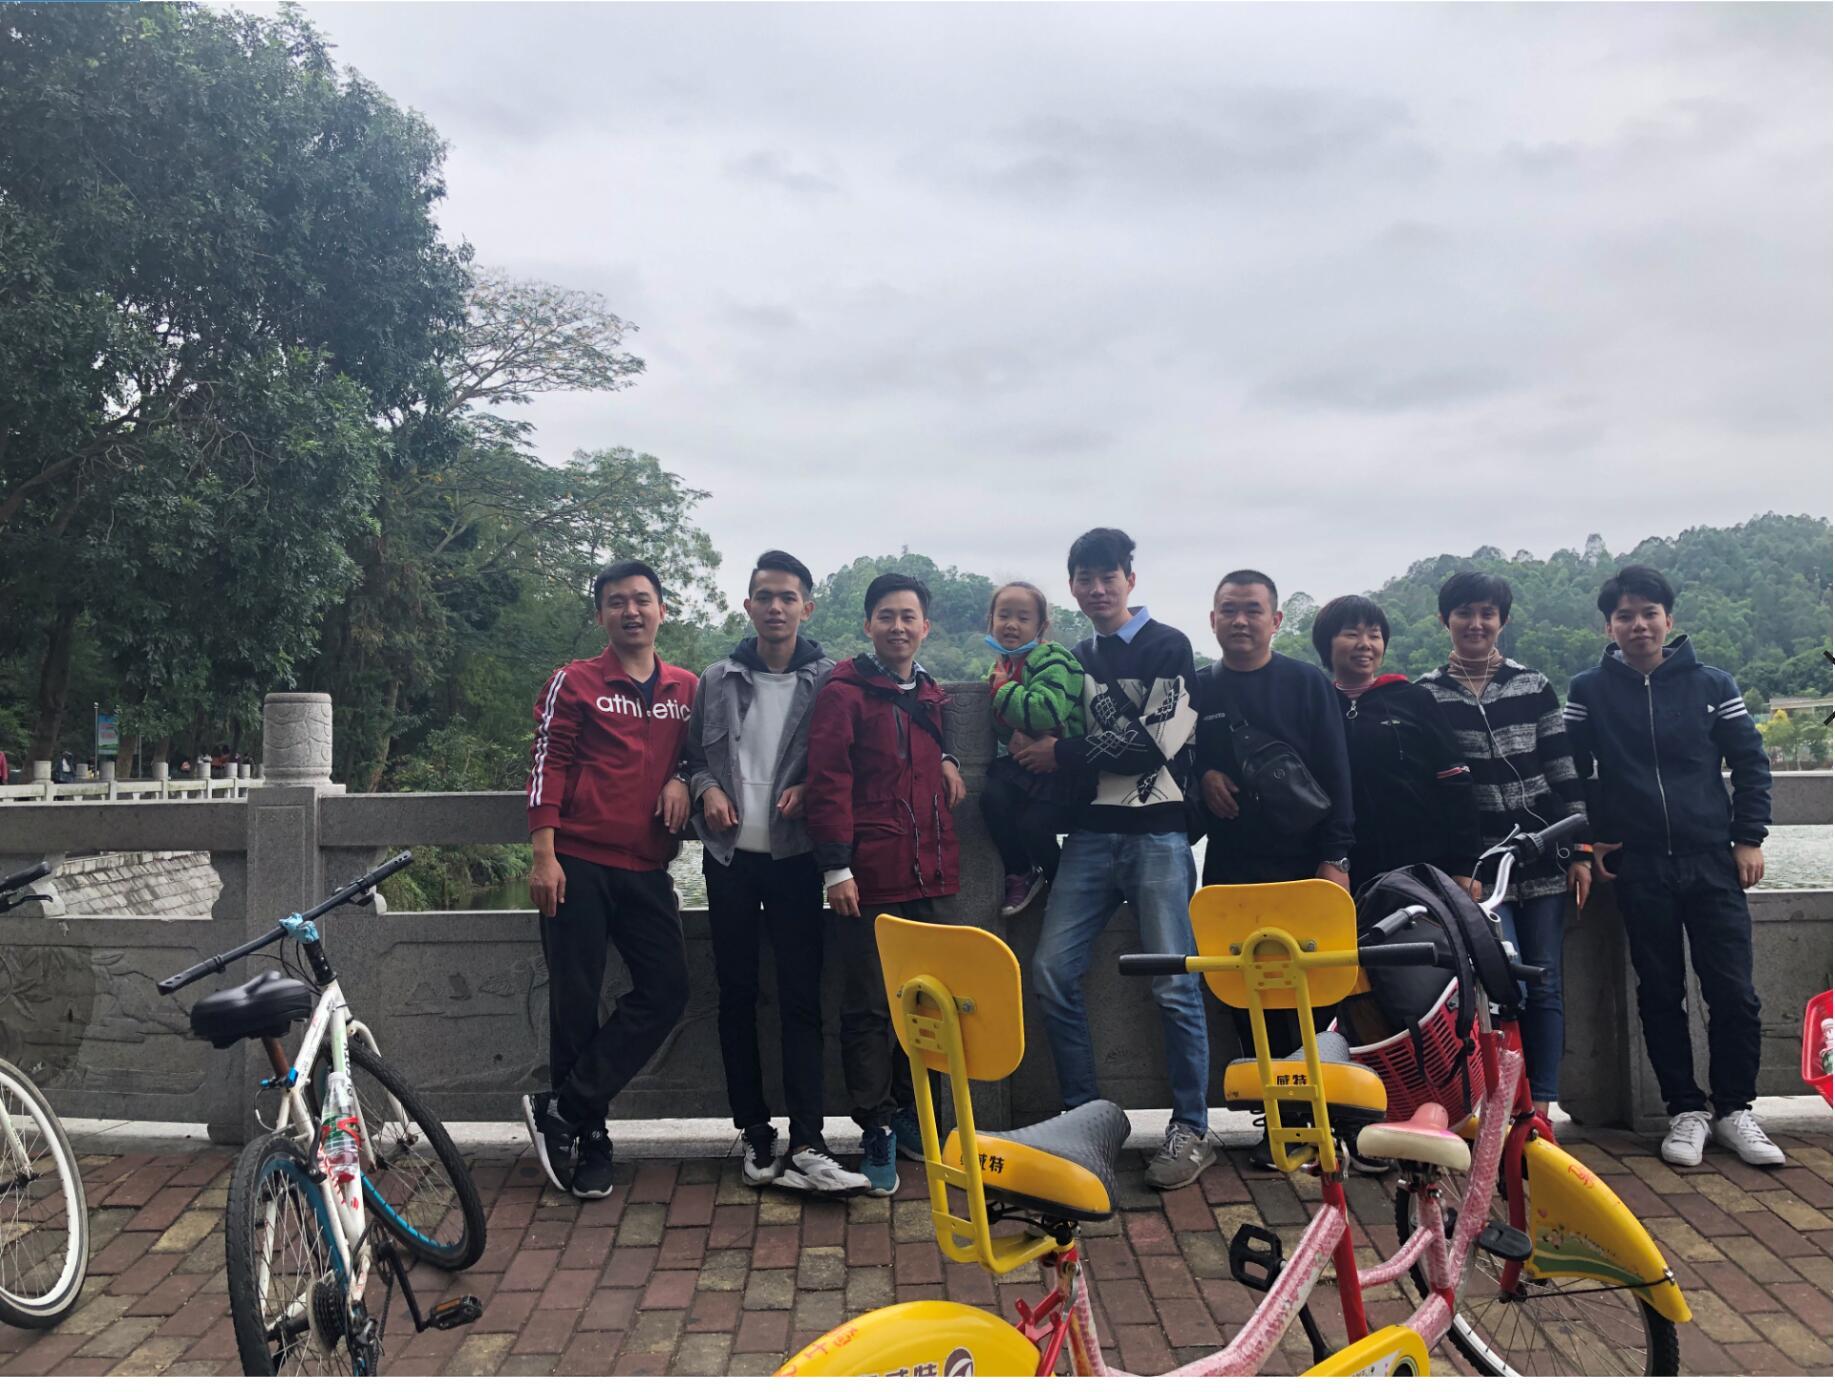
(450, 1314)
(1255, 1257)
(1505, 1242)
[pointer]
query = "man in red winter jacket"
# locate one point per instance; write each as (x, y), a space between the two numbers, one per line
(607, 803)
(881, 790)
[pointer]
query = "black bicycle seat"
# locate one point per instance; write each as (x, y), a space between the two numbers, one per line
(264, 1008)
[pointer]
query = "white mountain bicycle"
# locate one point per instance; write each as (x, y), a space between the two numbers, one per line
(44, 1216)
(355, 1171)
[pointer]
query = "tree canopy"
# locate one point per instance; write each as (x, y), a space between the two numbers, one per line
(221, 262)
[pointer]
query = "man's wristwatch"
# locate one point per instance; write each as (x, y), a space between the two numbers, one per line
(1342, 864)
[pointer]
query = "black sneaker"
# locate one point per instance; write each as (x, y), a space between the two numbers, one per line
(1261, 1157)
(1365, 1164)
(554, 1137)
(761, 1164)
(592, 1174)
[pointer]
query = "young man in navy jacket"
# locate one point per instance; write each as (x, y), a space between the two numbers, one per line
(607, 803)
(1659, 724)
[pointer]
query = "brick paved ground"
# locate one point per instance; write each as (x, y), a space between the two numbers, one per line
(685, 1270)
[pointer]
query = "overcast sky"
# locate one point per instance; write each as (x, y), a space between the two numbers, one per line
(1316, 289)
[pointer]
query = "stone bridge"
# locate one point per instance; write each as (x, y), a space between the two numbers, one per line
(458, 1000)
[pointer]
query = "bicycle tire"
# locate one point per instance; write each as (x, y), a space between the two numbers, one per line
(399, 1201)
(21, 1306)
(1600, 1333)
(277, 1226)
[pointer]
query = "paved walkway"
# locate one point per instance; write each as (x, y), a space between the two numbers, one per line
(685, 1270)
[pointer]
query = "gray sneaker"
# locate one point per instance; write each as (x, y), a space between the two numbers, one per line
(1183, 1156)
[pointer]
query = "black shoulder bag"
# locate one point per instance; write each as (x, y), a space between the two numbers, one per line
(1280, 788)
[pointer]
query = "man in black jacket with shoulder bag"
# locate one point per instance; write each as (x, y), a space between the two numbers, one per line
(1260, 712)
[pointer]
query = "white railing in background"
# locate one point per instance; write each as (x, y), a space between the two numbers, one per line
(234, 782)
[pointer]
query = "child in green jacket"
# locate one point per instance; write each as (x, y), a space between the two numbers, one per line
(1038, 690)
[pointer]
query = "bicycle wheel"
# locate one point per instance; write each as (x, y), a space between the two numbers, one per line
(286, 1280)
(1560, 1327)
(414, 1180)
(44, 1217)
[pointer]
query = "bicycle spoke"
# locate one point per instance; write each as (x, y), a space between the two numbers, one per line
(403, 1171)
(39, 1213)
(1563, 1327)
(299, 1297)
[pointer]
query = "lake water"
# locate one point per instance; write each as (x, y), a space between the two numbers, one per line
(1796, 857)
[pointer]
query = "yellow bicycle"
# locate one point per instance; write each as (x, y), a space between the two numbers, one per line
(956, 1004)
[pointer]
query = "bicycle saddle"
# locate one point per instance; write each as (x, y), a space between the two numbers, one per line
(264, 1008)
(1063, 1167)
(1350, 1088)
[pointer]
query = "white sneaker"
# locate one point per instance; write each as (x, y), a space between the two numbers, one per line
(1739, 1132)
(1688, 1133)
(816, 1172)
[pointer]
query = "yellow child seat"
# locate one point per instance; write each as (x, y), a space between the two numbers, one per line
(1297, 942)
(1354, 1093)
(954, 995)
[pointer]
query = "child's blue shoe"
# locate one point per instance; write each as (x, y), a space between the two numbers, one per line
(877, 1162)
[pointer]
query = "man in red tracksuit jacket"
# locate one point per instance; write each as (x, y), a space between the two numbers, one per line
(879, 799)
(607, 803)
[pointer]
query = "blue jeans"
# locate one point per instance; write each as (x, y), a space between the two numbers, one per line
(1536, 928)
(1157, 876)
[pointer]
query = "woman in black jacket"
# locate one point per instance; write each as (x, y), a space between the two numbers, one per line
(1411, 791)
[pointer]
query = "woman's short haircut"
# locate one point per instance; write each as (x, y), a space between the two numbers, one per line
(1346, 611)
(1474, 587)
(1647, 582)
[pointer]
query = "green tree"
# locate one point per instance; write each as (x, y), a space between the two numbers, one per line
(466, 515)
(211, 237)
(1754, 599)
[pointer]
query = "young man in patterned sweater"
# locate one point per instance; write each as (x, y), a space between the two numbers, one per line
(1129, 841)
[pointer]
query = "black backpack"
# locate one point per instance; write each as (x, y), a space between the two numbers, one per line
(1401, 997)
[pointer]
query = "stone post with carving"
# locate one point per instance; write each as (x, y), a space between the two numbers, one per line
(296, 738)
(284, 869)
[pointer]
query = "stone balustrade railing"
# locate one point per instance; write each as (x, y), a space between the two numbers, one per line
(459, 999)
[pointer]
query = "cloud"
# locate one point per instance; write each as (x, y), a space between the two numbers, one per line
(773, 167)
(1317, 289)
(1374, 390)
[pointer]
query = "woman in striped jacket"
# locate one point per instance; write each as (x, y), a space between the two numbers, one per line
(1508, 724)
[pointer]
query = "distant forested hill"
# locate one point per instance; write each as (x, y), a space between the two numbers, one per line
(1754, 599)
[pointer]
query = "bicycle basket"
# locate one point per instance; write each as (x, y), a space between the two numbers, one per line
(1414, 1026)
(1431, 1062)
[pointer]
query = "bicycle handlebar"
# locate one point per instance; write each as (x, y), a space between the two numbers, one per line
(355, 889)
(363, 884)
(1540, 841)
(1152, 964)
(1422, 954)
(25, 877)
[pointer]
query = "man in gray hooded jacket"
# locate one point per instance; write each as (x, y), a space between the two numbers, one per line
(747, 755)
